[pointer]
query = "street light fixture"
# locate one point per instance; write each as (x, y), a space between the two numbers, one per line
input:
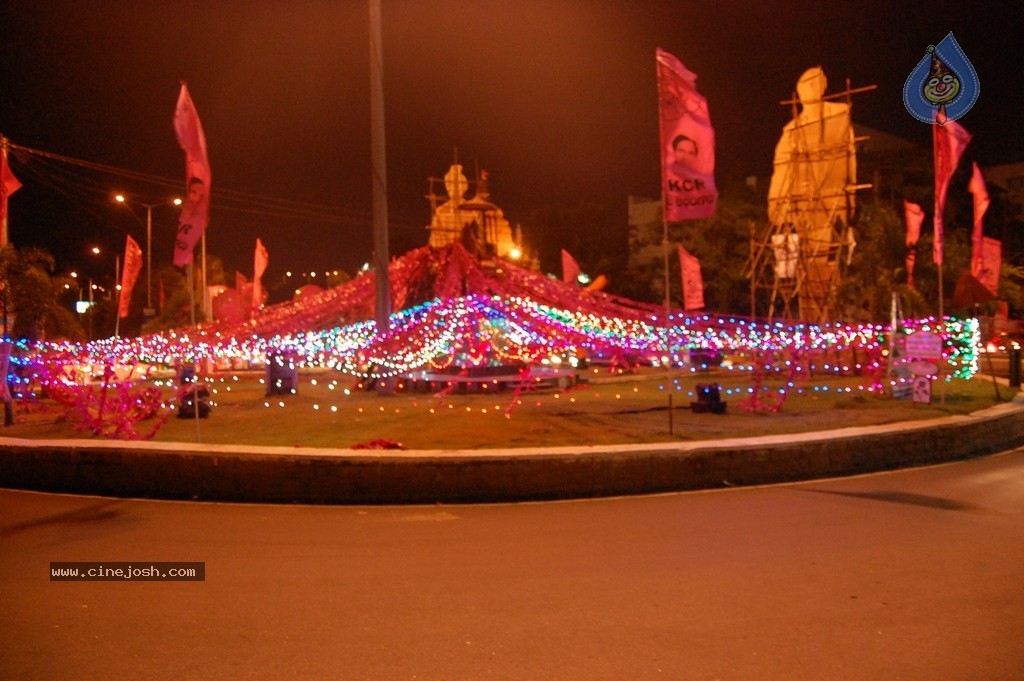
(113, 294)
(120, 198)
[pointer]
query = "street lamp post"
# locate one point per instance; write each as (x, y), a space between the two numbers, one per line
(149, 259)
(113, 294)
(120, 198)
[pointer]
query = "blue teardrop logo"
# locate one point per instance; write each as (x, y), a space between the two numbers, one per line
(943, 86)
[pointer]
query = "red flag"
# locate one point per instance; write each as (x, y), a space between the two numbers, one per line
(913, 214)
(195, 212)
(570, 268)
(687, 143)
(693, 283)
(8, 185)
(259, 267)
(948, 144)
(981, 198)
(129, 275)
(981, 202)
(990, 260)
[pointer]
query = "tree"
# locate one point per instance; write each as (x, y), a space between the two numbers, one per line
(878, 268)
(721, 243)
(595, 236)
(173, 312)
(33, 296)
(878, 265)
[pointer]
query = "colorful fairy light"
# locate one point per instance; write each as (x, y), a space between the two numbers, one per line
(515, 319)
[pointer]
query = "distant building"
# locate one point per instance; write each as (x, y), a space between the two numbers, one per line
(878, 142)
(643, 211)
(644, 228)
(646, 248)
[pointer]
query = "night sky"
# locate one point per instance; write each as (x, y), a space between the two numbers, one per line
(556, 99)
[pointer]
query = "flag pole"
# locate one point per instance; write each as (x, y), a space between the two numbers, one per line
(205, 287)
(195, 216)
(3, 209)
(941, 300)
(686, 152)
(6, 347)
(195, 355)
(664, 245)
(668, 312)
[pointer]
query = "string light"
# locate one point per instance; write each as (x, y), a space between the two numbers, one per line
(521, 322)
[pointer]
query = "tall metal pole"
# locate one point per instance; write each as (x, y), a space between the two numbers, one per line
(3, 212)
(205, 289)
(380, 187)
(117, 298)
(148, 311)
(91, 303)
(5, 389)
(668, 316)
(190, 271)
(669, 388)
(149, 258)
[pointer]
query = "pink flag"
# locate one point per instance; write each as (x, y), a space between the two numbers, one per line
(570, 268)
(913, 214)
(990, 260)
(195, 212)
(129, 275)
(8, 185)
(259, 267)
(687, 143)
(693, 283)
(948, 144)
(981, 202)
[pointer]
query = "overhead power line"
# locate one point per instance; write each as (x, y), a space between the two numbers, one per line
(72, 178)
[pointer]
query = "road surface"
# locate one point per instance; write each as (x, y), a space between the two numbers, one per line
(912, 575)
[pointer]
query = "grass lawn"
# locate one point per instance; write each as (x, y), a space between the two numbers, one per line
(606, 409)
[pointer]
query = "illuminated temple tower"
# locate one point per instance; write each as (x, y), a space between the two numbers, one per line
(477, 222)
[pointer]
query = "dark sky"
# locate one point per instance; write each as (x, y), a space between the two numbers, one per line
(556, 99)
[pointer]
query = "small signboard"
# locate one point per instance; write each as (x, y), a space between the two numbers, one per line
(922, 390)
(923, 345)
(920, 367)
(902, 390)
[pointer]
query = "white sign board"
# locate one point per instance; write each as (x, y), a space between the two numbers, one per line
(924, 345)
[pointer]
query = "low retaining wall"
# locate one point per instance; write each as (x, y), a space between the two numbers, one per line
(324, 476)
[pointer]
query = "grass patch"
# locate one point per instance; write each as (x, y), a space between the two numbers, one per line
(605, 410)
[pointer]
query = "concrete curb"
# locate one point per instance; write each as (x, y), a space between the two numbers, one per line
(341, 476)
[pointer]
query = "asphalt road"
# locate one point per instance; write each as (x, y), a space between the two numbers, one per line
(908, 575)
